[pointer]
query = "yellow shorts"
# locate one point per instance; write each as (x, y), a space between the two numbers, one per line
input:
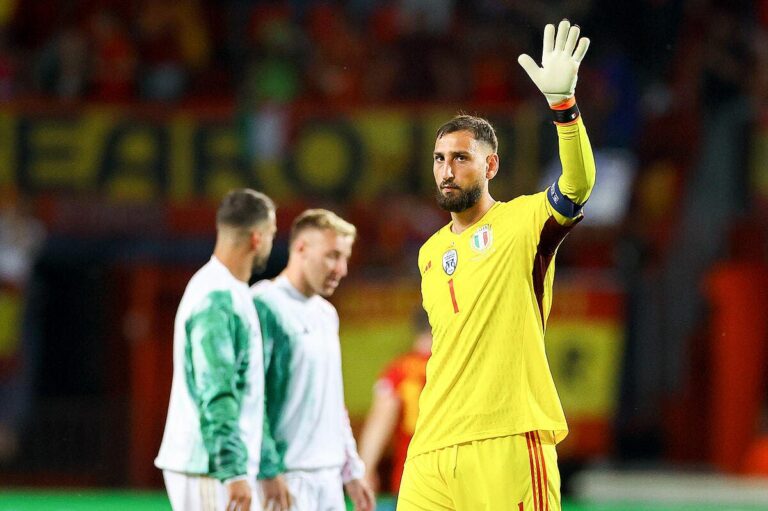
(510, 473)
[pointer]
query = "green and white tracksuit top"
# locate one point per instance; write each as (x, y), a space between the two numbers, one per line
(306, 425)
(216, 411)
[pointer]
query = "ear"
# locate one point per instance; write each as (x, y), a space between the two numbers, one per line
(492, 166)
(299, 244)
(256, 235)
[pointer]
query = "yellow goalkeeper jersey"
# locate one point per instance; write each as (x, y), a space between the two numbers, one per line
(488, 292)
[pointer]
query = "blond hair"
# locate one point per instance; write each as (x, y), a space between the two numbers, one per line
(321, 219)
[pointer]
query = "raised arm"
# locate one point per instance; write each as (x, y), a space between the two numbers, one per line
(556, 79)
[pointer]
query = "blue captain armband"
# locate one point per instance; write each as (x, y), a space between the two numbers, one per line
(561, 203)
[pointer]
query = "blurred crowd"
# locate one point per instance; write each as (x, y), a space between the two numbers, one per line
(652, 77)
(668, 52)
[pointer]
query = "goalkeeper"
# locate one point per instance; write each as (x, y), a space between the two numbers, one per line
(489, 415)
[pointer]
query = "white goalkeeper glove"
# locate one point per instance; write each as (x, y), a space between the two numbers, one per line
(557, 76)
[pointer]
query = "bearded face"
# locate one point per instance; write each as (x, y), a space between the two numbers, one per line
(456, 199)
(461, 168)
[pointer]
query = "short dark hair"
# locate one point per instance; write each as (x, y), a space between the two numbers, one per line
(480, 128)
(243, 209)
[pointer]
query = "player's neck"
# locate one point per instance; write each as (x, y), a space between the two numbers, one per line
(297, 280)
(462, 221)
(239, 266)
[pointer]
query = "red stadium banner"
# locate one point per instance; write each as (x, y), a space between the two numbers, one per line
(375, 327)
(585, 344)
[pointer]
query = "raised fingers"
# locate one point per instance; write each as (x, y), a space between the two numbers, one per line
(581, 49)
(573, 37)
(549, 38)
(562, 35)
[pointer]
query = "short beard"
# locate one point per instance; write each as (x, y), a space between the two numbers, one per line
(461, 201)
(259, 265)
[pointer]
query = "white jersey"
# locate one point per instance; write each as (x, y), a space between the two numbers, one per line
(306, 422)
(216, 410)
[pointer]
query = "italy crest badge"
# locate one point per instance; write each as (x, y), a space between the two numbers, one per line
(482, 238)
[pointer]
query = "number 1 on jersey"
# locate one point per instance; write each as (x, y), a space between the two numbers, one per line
(453, 297)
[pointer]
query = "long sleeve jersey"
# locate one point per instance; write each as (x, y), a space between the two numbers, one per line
(488, 293)
(215, 414)
(306, 424)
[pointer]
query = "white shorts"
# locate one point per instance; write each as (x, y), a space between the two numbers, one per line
(189, 492)
(315, 490)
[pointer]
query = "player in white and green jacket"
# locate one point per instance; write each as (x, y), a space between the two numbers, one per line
(308, 452)
(210, 450)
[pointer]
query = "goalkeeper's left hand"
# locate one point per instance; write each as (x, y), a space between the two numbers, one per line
(556, 77)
